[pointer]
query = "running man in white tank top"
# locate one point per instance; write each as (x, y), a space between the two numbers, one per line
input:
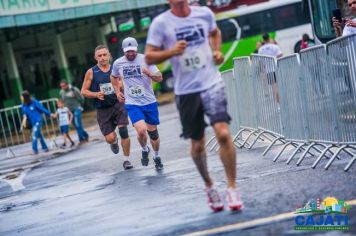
(140, 102)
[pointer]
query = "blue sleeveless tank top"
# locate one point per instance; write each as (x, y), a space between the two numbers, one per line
(102, 79)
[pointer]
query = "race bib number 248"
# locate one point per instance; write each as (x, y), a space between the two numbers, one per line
(137, 91)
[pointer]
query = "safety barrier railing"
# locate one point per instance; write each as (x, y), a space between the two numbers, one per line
(265, 88)
(12, 132)
(302, 87)
(292, 104)
(307, 102)
(230, 87)
(342, 70)
(245, 102)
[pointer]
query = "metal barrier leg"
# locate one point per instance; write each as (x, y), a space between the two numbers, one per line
(350, 164)
(335, 156)
(320, 151)
(237, 135)
(245, 142)
(271, 145)
(280, 153)
(322, 154)
(350, 153)
(305, 153)
(254, 141)
(300, 146)
(53, 144)
(209, 141)
(10, 153)
(214, 146)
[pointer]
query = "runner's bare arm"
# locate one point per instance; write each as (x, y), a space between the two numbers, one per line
(215, 44)
(157, 77)
(117, 84)
(155, 55)
(86, 87)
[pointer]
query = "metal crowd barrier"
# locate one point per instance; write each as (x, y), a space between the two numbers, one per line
(293, 104)
(342, 69)
(11, 130)
(257, 101)
(295, 76)
(267, 99)
(230, 86)
(307, 101)
(245, 102)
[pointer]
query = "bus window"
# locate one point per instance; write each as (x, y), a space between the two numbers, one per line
(269, 20)
(289, 16)
(255, 23)
(228, 29)
(322, 23)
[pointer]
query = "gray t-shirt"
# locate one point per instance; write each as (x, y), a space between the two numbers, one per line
(72, 97)
(195, 70)
(137, 86)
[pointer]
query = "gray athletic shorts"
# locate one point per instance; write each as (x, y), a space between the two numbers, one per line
(192, 108)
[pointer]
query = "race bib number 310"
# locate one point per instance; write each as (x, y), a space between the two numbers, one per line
(107, 88)
(192, 60)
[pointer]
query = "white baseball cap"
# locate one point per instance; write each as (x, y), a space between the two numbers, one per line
(129, 44)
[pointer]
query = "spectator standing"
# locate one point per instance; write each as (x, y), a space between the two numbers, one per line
(73, 99)
(33, 110)
(346, 26)
(269, 47)
(306, 42)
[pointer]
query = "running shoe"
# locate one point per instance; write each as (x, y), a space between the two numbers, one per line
(115, 147)
(214, 200)
(145, 159)
(158, 163)
(233, 199)
(63, 146)
(127, 165)
(72, 144)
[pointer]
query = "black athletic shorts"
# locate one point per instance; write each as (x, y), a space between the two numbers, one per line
(109, 118)
(271, 78)
(192, 107)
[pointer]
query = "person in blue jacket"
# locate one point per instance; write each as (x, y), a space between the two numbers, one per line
(32, 110)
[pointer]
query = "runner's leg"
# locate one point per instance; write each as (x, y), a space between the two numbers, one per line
(227, 152)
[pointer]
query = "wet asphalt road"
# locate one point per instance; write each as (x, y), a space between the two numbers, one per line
(87, 192)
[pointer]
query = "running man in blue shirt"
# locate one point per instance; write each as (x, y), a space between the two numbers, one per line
(110, 112)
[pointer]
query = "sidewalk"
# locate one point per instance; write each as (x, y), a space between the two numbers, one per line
(18, 159)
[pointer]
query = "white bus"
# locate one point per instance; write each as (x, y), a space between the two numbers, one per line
(285, 20)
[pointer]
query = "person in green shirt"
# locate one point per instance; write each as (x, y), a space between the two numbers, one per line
(73, 100)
